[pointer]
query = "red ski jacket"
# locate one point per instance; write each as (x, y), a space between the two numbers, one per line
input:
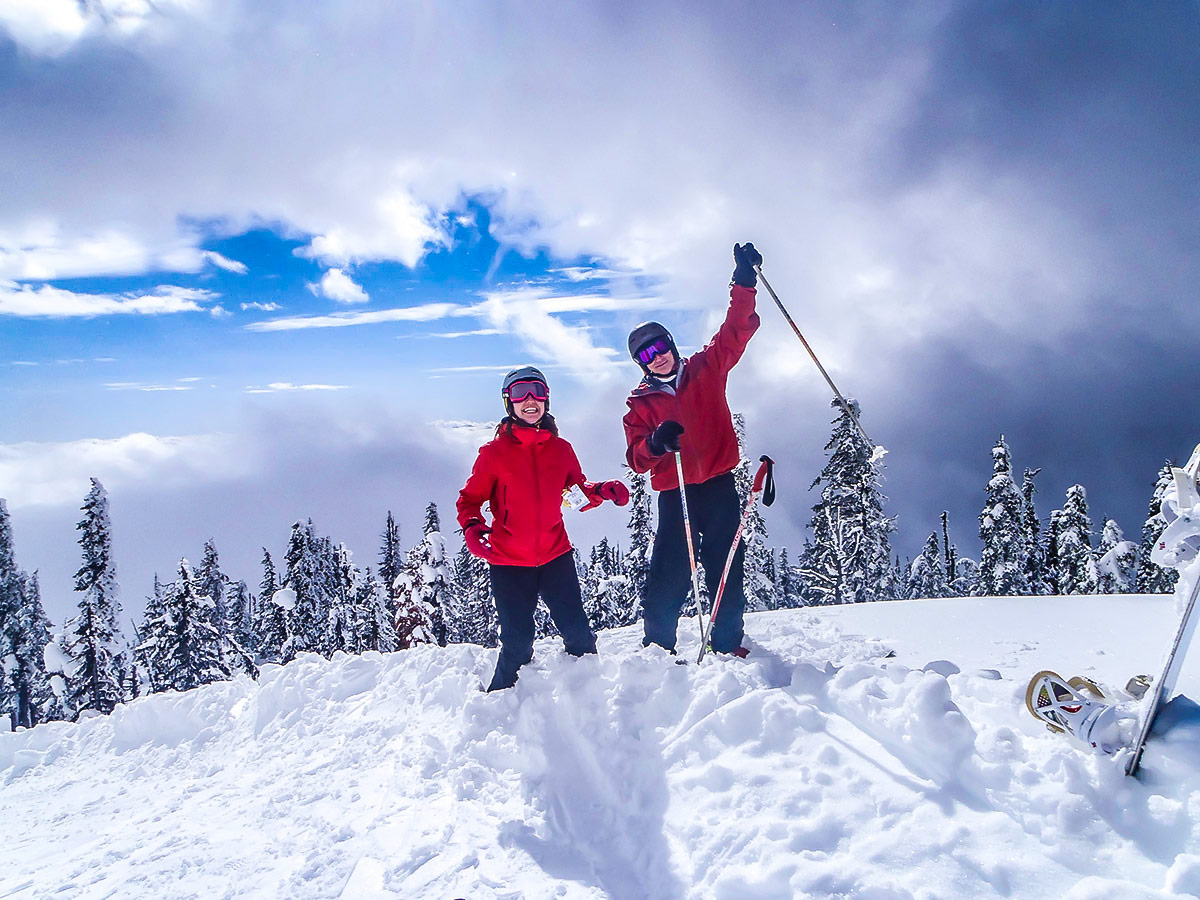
(521, 474)
(709, 445)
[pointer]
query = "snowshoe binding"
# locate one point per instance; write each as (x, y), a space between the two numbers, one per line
(1074, 707)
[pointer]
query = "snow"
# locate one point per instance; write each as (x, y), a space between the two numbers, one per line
(815, 768)
(284, 598)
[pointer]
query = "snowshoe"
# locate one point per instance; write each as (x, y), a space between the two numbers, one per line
(1074, 708)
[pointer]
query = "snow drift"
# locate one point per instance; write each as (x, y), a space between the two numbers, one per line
(816, 768)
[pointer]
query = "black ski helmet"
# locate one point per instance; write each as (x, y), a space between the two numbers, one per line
(643, 335)
(525, 373)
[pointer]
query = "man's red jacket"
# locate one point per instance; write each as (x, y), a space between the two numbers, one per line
(521, 474)
(709, 445)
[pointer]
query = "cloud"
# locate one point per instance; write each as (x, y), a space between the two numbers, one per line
(264, 307)
(284, 386)
(224, 262)
(144, 386)
(427, 312)
(36, 474)
(57, 303)
(336, 285)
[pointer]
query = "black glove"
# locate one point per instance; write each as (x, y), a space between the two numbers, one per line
(745, 258)
(665, 438)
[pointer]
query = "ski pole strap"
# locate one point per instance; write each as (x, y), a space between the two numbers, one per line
(764, 480)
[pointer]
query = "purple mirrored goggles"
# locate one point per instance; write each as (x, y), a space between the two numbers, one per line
(656, 347)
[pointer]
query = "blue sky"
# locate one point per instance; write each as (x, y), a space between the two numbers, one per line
(261, 262)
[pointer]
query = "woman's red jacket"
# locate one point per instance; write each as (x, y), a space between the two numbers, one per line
(521, 474)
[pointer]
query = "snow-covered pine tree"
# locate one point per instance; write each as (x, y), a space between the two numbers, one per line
(1035, 564)
(927, 575)
(475, 620)
(242, 614)
(341, 632)
(1052, 556)
(966, 577)
(641, 541)
(759, 586)
(391, 560)
(181, 644)
(787, 585)
(34, 699)
(1004, 564)
(10, 601)
(270, 622)
(1116, 561)
(849, 559)
(1076, 560)
(373, 618)
(143, 648)
(93, 637)
(426, 577)
(1151, 577)
(605, 588)
(309, 575)
(212, 583)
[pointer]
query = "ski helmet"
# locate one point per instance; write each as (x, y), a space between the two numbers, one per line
(646, 333)
(525, 373)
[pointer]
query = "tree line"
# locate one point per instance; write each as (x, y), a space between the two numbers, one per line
(204, 626)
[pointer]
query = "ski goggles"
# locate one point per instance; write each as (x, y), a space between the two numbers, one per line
(656, 347)
(519, 390)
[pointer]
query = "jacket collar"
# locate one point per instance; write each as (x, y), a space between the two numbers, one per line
(653, 385)
(524, 434)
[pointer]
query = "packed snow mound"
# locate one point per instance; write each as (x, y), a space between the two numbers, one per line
(817, 767)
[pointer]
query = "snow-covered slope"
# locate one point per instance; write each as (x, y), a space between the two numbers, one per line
(816, 768)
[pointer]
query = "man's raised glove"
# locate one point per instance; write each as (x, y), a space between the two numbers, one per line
(665, 438)
(475, 536)
(745, 258)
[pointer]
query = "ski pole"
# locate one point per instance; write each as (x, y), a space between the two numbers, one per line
(764, 479)
(687, 528)
(879, 450)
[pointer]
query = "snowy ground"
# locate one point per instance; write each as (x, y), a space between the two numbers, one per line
(814, 769)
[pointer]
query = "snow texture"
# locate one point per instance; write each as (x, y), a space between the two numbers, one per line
(815, 768)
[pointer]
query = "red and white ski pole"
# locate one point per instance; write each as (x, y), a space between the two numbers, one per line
(687, 527)
(764, 481)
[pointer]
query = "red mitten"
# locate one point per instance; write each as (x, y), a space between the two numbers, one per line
(614, 491)
(591, 490)
(475, 535)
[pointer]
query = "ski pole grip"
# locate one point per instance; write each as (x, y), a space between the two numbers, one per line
(764, 479)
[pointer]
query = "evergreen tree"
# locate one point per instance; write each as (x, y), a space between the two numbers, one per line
(606, 595)
(309, 575)
(641, 541)
(426, 578)
(181, 644)
(966, 577)
(1052, 555)
(787, 584)
(34, 699)
(391, 561)
(1151, 577)
(212, 583)
(475, 620)
(1004, 565)
(927, 576)
(270, 623)
(373, 617)
(1035, 565)
(93, 636)
(1076, 561)
(342, 629)
(849, 559)
(758, 584)
(242, 614)
(1116, 561)
(10, 603)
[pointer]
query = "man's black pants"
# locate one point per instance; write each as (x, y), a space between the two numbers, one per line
(516, 590)
(714, 510)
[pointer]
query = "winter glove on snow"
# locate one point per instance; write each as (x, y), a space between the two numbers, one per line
(745, 258)
(475, 535)
(599, 491)
(665, 438)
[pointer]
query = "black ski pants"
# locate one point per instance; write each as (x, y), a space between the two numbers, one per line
(516, 590)
(714, 510)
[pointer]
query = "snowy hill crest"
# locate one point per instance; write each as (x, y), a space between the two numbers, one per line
(814, 769)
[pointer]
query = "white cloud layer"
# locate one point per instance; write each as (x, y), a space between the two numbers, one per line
(57, 303)
(49, 474)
